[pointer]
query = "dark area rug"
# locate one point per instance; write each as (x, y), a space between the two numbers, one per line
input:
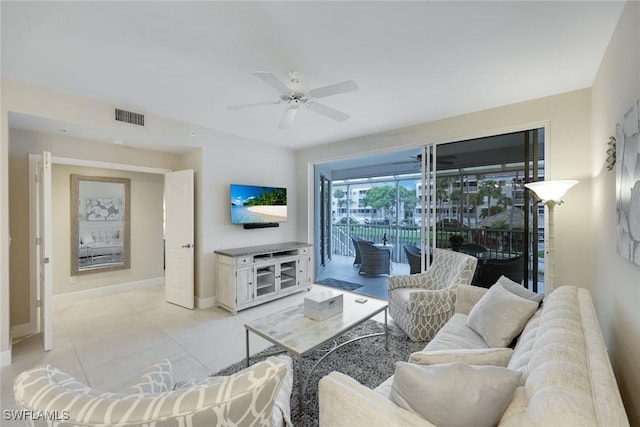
(365, 360)
(340, 284)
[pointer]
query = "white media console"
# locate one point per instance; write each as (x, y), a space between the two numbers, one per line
(258, 274)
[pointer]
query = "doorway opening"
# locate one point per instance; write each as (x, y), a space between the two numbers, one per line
(474, 195)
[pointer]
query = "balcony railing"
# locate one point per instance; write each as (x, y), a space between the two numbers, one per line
(499, 243)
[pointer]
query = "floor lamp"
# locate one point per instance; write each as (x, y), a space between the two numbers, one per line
(550, 193)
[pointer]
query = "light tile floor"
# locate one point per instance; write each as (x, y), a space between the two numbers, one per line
(108, 342)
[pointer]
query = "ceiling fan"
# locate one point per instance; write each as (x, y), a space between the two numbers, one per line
(440, 161)
(296, 96)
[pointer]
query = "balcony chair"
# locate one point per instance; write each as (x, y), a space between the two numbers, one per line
(490, 271)
(356, 247)
(422, 303)
(258, 395)
(375, 261)
(473, 249)
(414, 255)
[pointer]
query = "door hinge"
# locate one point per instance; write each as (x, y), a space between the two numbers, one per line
(45, 260)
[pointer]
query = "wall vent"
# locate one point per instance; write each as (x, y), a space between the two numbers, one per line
(129, 117)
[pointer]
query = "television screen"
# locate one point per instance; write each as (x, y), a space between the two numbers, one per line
(253, 205)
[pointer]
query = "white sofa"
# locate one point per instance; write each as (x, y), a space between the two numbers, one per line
(566, 380)
(100, 242)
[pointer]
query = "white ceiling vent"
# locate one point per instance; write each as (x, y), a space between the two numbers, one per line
(129, 117)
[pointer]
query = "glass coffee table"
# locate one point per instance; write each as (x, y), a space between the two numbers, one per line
(290, 330)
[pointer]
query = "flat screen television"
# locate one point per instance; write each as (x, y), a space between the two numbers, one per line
(258, 204)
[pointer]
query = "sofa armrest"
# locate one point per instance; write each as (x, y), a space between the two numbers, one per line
(467, 297)
(346, 402)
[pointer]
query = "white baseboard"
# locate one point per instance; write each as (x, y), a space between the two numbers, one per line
(22, 330)
(5, 358)
(205, 302)
(107, 290)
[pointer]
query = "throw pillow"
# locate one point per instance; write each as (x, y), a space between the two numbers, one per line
(518, 289)
(454, 394)
(158, 379)
(472, 356)
(500, 316)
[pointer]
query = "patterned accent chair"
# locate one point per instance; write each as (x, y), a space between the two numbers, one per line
(256, 396)
(422, 303)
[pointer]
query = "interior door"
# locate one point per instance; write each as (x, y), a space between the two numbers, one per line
(179, 241)
(45, 250)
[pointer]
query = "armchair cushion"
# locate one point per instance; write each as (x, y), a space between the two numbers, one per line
(500, 316)
(454, 394)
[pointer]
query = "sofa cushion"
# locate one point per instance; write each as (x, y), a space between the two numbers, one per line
(472, 356)
(500, 316)
(454, 394)
(518, 289)
(455, 334)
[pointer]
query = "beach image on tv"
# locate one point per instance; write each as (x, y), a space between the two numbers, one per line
(253, 204)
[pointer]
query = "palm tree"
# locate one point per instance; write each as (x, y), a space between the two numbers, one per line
(490, 188)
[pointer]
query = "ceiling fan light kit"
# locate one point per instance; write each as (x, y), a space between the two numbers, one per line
(295, 95)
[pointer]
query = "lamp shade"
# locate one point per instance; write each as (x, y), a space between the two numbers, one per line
(551, 190)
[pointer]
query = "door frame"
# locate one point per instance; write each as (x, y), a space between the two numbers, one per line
(312, 201)
(33, 325)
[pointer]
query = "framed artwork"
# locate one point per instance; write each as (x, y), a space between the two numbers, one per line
(100, 229)
(628, 185)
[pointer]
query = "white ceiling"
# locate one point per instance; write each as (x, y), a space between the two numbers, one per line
(413, 61)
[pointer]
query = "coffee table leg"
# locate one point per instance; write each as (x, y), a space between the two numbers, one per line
(247, 345)
(386, 331)
(301, 384)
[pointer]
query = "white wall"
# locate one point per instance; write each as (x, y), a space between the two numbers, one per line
(249, 163)
(218, 160)
(616, 287)
(146, 189)
(567, 157)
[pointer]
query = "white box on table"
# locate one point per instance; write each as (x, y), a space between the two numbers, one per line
(323, 305)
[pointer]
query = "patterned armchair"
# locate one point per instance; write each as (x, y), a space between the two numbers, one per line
(422, 303)
(256, 396)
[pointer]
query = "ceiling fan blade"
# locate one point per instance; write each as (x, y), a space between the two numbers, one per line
(273, 81)
(334, 89)
(328, 111)
(255, 104)
(287, 118)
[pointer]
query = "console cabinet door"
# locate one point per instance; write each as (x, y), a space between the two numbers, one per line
(304, 270)
(288, 274)
(265, 280)
(244, 285)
